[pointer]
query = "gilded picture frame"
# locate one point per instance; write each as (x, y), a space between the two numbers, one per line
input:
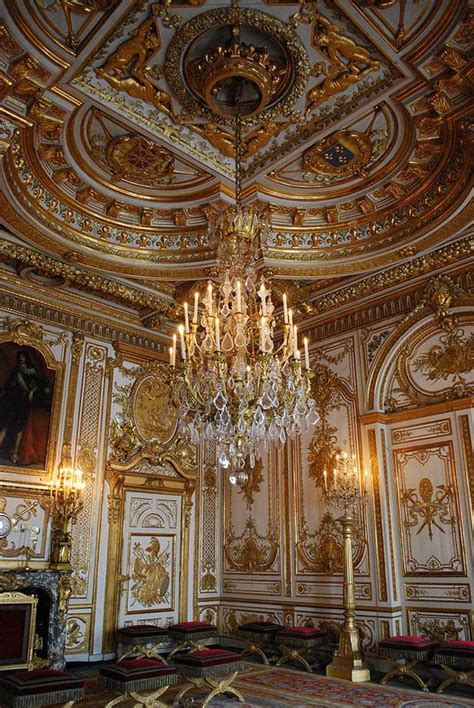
(24, 355)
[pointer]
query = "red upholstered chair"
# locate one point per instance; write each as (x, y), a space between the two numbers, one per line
(457, 660)
(409, 650)
(17, 630)
(190, 635)
(216, 668)
(258, 636)
(142, 674)
(26, 689)
(142, 639)
(296, 643)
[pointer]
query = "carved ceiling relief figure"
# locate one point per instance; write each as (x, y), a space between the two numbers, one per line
(349, 62)
(127, 69)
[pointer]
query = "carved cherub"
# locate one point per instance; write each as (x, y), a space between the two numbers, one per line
(349, 62)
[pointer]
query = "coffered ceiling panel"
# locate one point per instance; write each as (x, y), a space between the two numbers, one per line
(118, 135)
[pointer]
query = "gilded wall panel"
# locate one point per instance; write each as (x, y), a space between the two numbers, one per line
(253, 522)
(208, 538)
(430, 522)
(78, 627)
(434, 592)
(440, 624)
(252, 586)
(89, 455)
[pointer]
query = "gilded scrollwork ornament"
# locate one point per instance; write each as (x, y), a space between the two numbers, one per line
(251, 552)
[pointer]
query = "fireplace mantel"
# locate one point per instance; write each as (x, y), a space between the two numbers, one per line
(57, 585)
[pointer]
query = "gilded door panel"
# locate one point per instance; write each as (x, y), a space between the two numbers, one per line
(430, 522)
(150, 558)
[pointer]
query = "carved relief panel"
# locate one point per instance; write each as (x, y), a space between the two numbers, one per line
(430, 521)
(252, 522)
(150, 565)
(318, 532)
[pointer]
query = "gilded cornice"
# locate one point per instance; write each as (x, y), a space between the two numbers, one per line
(454, 252)
(110, 289)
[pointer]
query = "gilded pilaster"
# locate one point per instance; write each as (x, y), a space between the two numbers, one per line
(381, 572)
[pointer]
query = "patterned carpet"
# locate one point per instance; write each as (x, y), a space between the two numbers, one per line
(283, 688)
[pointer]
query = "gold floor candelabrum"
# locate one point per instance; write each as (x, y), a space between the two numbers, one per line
(65, 501)
(344, 487)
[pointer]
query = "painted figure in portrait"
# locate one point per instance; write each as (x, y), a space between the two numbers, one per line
(150, 574)
(26, 394)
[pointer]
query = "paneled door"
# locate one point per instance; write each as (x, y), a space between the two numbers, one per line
(151, 556)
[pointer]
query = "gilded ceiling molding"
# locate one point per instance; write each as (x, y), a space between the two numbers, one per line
(444, 256)
(127, 295)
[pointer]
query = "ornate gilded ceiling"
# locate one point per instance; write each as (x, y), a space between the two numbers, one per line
(355, 140)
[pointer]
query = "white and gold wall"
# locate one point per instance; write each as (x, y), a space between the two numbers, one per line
(162, 536)
(398, 395)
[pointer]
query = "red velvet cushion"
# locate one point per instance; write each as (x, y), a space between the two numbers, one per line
(25, 683)
(14, 626)
(133, 669)
(261, 627)
(203, 658)
(466, 643)
(192, 626)
(407, 642)
(142, 629)
(459, 648)
(301, 632)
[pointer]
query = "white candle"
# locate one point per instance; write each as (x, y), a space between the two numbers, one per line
(196, 303)
(186, 317)
(285, 308)
(239, 297)
(290, 317)
(262, 334)
(218, 335)
(262, 292)
(325, 480)
(183, 344)
(174, 349)
(297, 355)
(171, 356)
(209, 299)
(295, 341)
(306, 353)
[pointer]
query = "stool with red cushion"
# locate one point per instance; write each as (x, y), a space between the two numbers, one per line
(142, 674)
(190, 635)
(296, 643)
(457, 659)
(258, 636)
(411, 650)
(25, 689)
(216, 668)
(144, 639)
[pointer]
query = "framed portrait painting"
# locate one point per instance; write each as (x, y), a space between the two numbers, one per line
(29, 391)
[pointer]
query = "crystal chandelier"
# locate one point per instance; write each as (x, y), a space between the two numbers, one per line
(238, 384)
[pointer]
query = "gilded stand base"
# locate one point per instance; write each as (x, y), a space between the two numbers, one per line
(349, 668)
(150, 700)
(218, 686)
